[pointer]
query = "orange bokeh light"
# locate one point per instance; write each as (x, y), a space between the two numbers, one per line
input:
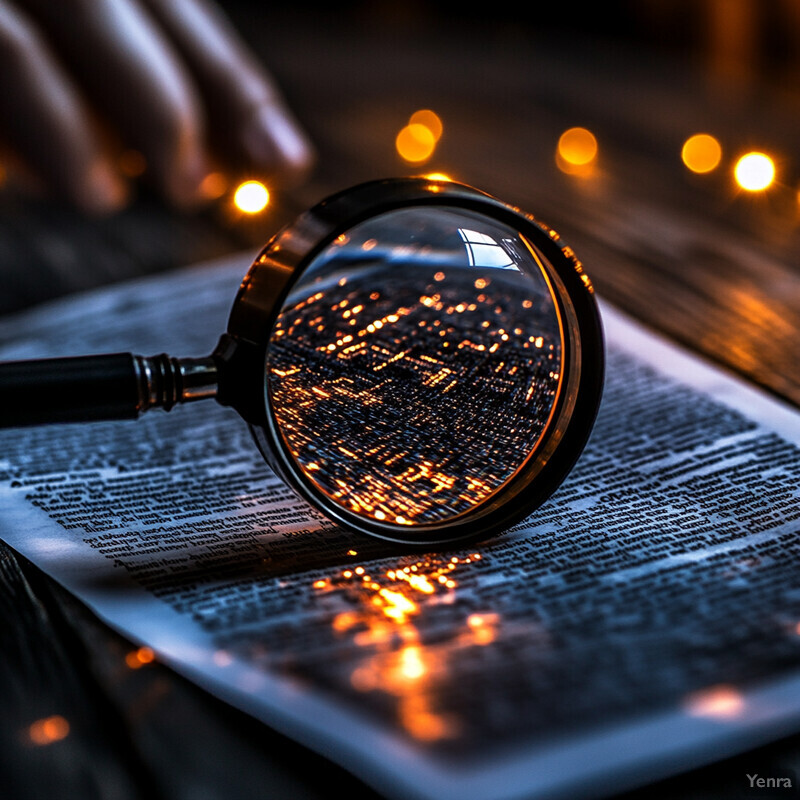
(430, 119)
(415, 143)
(48, 730)
(755, 172)
(577, 147)
(251, 197)
(138, 658)
(701, 153)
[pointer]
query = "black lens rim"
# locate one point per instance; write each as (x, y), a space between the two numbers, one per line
(281, 263)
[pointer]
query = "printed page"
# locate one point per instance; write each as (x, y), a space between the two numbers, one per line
(645, 620)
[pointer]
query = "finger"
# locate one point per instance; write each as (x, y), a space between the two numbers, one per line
(246, 110)
(44, 122)
(131, 71)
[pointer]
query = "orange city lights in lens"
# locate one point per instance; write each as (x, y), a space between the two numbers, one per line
(754, 172)
(251, 197)
(701, 153)
(576, 151)
(416, 142)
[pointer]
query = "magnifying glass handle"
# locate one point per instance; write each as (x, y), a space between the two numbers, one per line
(90, 388)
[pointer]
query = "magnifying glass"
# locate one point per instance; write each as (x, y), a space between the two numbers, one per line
(417, 359)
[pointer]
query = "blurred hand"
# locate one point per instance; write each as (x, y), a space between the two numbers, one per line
(83, 81)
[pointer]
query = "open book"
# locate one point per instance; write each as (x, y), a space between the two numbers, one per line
(644, 621)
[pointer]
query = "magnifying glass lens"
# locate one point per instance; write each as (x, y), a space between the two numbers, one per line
(416, 364)
(419, 361)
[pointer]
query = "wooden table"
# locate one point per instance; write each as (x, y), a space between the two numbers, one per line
(711, 266)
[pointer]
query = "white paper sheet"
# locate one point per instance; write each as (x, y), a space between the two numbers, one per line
(644, 621)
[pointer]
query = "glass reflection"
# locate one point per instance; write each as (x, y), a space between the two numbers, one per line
(415, 366)
(397, 662)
